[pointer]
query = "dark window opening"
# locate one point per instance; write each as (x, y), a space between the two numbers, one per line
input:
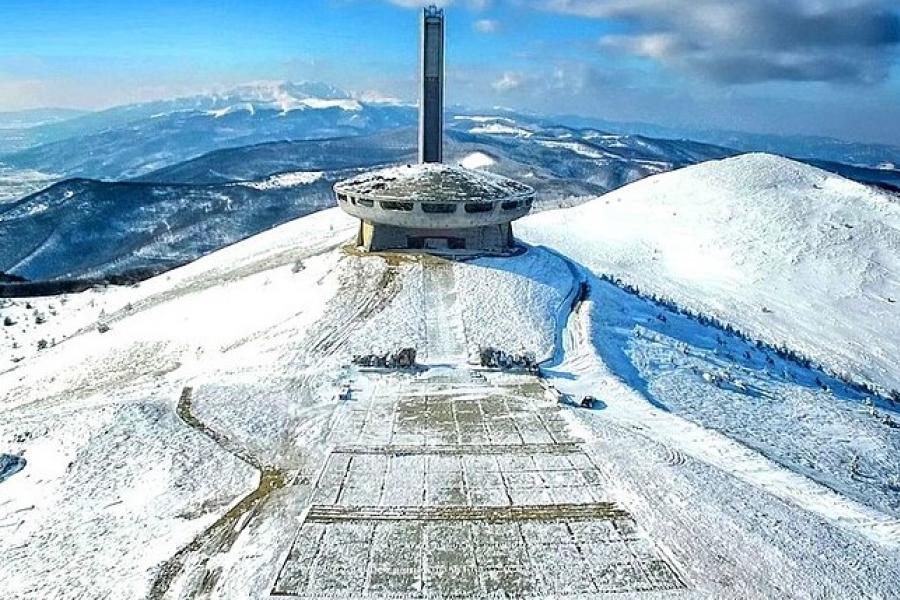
(402, 206)
(439, 208)
(435, 243)
(366, 202)
(479, 207)
(511, 205)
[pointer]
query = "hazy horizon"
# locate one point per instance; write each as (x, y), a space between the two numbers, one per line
(827, 68)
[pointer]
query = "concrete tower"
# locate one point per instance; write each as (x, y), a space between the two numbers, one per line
(431, 101)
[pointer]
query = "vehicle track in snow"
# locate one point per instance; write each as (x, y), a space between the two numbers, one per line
(673, 457)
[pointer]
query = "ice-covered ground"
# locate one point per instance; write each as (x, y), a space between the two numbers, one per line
(787, 253)
(185, 438)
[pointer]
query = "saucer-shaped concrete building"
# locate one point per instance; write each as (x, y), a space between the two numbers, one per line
(433, 206)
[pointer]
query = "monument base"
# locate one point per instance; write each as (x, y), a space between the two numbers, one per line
(487, 239)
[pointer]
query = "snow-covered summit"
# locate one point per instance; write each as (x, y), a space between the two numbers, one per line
(285, 96)
(208, 408)
(787, 252)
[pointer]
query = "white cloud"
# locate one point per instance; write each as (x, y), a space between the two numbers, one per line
(509, 81)
(747, 41)
(486, 26)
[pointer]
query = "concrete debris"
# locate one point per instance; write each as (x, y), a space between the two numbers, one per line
(493, 358)
(402, 359)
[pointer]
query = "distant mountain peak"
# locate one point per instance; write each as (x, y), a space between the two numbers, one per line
(274, 89)
(284, 95)
(377, 97)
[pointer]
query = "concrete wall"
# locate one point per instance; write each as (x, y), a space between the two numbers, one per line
(416, 217)
(376, 237)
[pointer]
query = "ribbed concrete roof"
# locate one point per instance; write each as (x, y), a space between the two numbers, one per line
(433, 183)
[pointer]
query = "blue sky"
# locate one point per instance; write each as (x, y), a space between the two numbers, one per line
(827, 67)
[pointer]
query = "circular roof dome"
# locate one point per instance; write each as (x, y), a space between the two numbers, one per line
(433, 182)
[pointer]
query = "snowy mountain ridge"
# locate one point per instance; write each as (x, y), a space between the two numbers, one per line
(142, 228)
(284, 96)
(564, 173)
(128, 143)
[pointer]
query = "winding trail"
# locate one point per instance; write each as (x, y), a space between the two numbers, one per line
(220, 536)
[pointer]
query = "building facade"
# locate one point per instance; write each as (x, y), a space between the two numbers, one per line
(434, 207)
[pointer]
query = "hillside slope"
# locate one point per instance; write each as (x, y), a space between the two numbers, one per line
(247, 163)
(564, 165)
(784, 251)
(170, 440)
(179, 213)
(84, 228)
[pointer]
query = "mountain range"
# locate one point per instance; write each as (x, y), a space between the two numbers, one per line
(165, 182)
(129, 141)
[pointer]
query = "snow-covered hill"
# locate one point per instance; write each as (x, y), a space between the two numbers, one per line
(18, 183)
(788, 253)
(247, 163)
(181, 212)
(168, 440)
(798, 147)
(564, 165)
(284, 96)
(152, 139)
(259, 129)
(25, 119)
(590, 158)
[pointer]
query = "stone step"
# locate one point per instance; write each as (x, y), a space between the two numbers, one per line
(460, 449)
(555, 512)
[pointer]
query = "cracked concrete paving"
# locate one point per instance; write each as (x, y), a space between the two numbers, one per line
(466, 485)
